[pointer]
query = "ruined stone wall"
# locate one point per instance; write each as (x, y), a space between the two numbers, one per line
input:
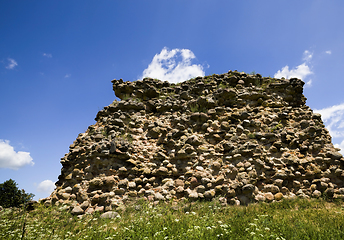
(244, 137)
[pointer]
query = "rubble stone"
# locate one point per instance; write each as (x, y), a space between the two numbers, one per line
(243, 137)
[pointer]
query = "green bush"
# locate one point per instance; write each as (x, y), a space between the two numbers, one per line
(11, 196)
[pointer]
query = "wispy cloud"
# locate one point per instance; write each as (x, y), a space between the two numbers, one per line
(48, 55)
(173, 66)
(333, 118)
(11, 63)
(328, 52)
(12, 159)
(307, 56)
(301, 71)
(67, 75)
(46, 186)
(308, 83)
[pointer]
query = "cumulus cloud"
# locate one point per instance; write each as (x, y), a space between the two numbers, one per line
(333, 118)
(173, 66)
(46, 186)
(12, 159)
(11, 63)
(328, 52)
(301, 71)
(48, 55)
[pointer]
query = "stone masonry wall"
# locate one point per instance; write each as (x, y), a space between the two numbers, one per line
(246, 138)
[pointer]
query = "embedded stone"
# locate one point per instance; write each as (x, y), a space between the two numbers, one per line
(77, 210)
(123, 183)
(110, 215)
(269, 196)
(271, 188)
(119, 191)
(99, 209)
(179, 182)
(85, 205)
(256, 140)
(162, 171)
(316, 194)
(68, 189)
(193, 195)
(248, 189)
(89, 210)
(260, 198)
(334, 155)
(65, 196)
(132, 185)
(329, 192)
(209, 194)
(278, 196)
(159, 197)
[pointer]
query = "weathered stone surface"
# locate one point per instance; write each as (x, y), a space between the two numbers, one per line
(77, 210)
(269, 196)
(248, 189)
(110, 215)
(159, 196)
(316, 194)
(243, 137)
(278, 196)
(85, 205)
(209, 194)
(99, 209)
(89, 210)
(271, 188)
(193, 195)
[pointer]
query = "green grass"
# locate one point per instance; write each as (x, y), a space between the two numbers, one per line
(165, 95)
(197, 108)
(126, 97)
(278, 126)
(288, 219)
(221, 85)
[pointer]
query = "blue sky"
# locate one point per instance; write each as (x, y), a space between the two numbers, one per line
(57, 60)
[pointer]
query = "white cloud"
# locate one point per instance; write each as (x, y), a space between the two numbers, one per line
(12, 159)
(46, 186)
(12, 63)
(328, 52)
(301, 72)
(307, 56)
(308, 83)
(341, 146)
(333, 118)
(48, 55)
(67, 75)
(173, 66)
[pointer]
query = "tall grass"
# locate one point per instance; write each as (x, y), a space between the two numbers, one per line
(288, 219)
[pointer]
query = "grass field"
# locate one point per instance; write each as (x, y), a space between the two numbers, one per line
(288, 219)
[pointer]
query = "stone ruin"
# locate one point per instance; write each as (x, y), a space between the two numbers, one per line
(242, 137)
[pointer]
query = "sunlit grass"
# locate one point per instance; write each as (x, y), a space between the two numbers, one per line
(288, 219)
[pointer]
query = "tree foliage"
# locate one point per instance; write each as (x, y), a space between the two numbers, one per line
(11, 196)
